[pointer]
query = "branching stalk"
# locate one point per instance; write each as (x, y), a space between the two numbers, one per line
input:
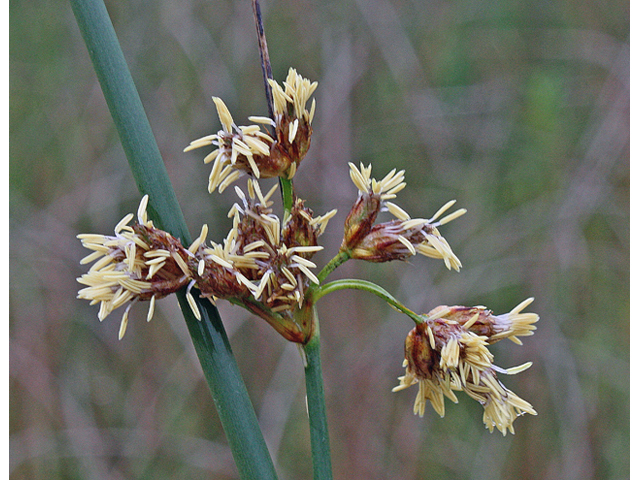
(356, 284)
(334, 263)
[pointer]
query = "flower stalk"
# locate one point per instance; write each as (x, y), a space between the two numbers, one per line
(357, 284)
(318, 426)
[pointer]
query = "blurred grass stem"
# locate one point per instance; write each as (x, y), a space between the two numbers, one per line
(209, 337)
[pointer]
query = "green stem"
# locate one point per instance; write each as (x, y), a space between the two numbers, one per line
(367, 286)
(129, 116)
(334, 263)
(286, 189)
(229, 392)
(209, 338)
(318, 427)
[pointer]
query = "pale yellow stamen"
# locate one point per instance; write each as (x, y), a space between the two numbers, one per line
(432, 340)
(293, 129)
(123, 323)
(121, 224)
(397, 212)
(183, 266)
(223, 113)
(453, 216)
(309, 274)
(407, 244)
(200, 240)
(469, 323)
(152, 308)
(142, 210)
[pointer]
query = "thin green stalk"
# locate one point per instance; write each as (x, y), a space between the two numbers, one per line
(286, 189)
(318, 427)
(356, 284)
(209, 338)
(334, 263)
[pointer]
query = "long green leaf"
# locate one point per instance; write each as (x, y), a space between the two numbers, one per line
(209, 337)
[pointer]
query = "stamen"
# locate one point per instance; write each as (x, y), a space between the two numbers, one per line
(183, 266)
(123, 323)
(397, 212)
(262, 120)
(200, 240)
(452, 216)
(211, 156)
(302, 261)
(469, 323)
(521, 306)
(152, 308)
(229, 180)
(142, 210)
(309, 274)
(407, 244)
(293, 129)
(219, 260)
(432, 340)
(223, 114)
(121, 224)
(312, 111)
(271, 192)
(442, 209)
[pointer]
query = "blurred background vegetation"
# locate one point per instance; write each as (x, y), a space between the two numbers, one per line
(518, 109)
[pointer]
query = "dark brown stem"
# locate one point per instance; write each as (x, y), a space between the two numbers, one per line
(264, 55)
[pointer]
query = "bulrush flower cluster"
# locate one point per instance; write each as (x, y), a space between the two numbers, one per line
(262, 154)
(265, 263)
(397, 239)
(448, 352)
(140, 262)
(261, 264)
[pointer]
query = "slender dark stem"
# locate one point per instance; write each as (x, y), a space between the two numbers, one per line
(318, 427)
(286, 185)
(264, 55)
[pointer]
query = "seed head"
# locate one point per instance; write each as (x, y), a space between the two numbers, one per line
(444, 354)
(140, 262)
(256, 150)
(398, 239)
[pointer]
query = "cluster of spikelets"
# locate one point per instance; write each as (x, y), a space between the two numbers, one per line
(397, 239)
(261, 264)
(265, 264)
(268, 148)
(448, 352)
